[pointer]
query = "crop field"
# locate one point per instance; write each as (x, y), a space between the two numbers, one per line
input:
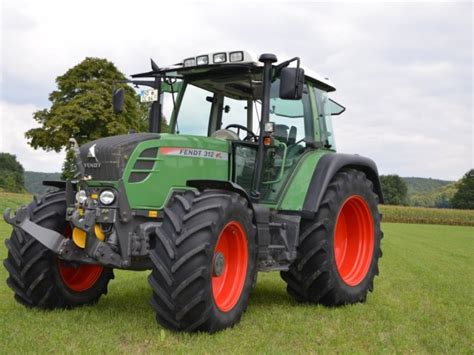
(421, 215)
(423, 303)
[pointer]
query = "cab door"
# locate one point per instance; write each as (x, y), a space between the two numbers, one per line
(294, 131)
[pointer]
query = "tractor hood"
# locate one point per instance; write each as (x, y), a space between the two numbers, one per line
(140, 159)
(105, 159)
(151, 165)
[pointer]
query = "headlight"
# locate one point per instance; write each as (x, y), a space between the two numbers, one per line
(107, 197)
(190, 62)
(81, 196)
(219, 58)
(202, 60)
(236, 56)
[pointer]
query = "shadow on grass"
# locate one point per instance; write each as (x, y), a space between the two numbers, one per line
(129, 299)
(135, 300)
(267, 295)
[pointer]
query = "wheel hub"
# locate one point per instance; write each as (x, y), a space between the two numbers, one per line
(219, 264)
(229, 266)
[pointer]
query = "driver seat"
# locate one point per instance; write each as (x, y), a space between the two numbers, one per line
(292, 135)
(281, 133)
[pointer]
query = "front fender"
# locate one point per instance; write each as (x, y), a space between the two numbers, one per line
(202, 184)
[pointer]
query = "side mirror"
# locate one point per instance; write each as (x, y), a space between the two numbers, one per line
(291, 83)
(118, 100)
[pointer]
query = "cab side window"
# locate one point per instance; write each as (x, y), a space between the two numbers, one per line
(325, 106)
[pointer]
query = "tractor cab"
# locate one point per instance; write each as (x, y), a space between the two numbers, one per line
(227, 96)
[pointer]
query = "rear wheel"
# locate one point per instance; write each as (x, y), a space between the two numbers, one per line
(339, 250)
(204, 261)
(37, 276)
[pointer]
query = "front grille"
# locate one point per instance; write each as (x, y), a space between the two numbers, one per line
(111, 155)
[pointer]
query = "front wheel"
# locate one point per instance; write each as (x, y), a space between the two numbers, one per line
(37, 276)
(339, 250)
(204, 261)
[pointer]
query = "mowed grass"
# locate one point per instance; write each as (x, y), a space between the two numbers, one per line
(423, 303)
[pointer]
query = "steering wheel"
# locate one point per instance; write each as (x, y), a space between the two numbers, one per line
(250, 134)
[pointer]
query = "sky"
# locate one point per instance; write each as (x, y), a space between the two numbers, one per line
(404, 70)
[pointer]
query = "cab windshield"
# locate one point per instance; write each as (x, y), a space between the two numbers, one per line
(207, 106)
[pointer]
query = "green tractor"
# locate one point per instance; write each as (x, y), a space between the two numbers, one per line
(247, 180)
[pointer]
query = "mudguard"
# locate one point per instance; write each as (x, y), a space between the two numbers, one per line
(219, 184)
(327, 167)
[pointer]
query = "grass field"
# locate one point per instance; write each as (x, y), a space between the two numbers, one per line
(423, 303)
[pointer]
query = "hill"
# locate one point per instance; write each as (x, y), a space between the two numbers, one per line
(33, 181)
(440, 197)
(427, 192)
(418, 185)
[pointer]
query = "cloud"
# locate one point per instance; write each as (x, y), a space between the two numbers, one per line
(403, 70)
(15, 121)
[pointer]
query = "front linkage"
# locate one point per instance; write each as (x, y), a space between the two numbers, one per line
(116, 252)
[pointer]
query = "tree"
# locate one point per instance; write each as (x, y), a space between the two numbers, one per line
(394, 190)
(11, 173)
(464, 197)
(81, 107)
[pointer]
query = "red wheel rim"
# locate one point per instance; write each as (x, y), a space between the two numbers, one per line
(79, 278)
(228, 285)
(354, 240)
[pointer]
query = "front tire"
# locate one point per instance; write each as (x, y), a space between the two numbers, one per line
(339, 250)
(204, 261)
(37, 276)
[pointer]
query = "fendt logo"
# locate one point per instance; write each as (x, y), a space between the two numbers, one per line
(91, 155)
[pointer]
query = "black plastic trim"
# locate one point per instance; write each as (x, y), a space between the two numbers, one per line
(143, 164)
(138, 176)
(327, 167)
(60, 184)
(149, 153)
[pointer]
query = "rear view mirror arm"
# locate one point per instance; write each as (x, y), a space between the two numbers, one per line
(284, 64)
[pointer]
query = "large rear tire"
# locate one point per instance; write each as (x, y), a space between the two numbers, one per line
(339, 250)
(37, 276)
(204, 261)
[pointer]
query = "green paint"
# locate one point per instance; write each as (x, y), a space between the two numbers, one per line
(293, 197)
(170, 171)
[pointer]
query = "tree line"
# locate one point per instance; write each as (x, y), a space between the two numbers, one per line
(459, 195)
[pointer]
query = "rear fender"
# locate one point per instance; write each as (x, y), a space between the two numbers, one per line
(327, 167)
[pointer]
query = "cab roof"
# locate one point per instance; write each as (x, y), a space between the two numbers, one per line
(236, 59)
